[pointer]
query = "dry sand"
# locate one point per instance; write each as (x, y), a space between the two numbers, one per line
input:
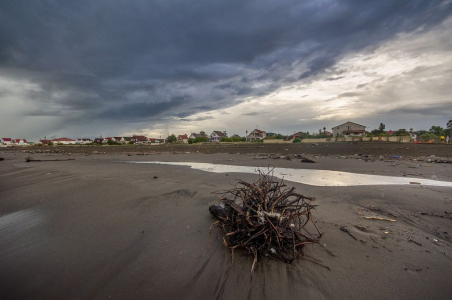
(92, 228)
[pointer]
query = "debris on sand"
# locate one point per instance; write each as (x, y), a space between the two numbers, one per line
(442, 161)
(28, 159)
(344, 229)
(413, 241)
(1, 158)
(283, 156)
(307, 160)
(379, 218)
(266, 220)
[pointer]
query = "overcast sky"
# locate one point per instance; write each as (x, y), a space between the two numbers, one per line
(85, 68)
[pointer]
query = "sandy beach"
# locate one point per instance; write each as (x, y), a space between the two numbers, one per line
(95, 228)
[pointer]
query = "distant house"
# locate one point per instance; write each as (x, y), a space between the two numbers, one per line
(44, 142)
(235, 136)
(155, 141)
(139, 139)
(127, 139)
(298, 135)
(64, 141)
(256, 135)
(216, 136)
(98, 140)
(196, 135)
(20, 142)
(327, 133)
(105, 140)
(83, 141)
(390, 132)
(182, 139)
(349, 129)
(7, 141)
(119, 139)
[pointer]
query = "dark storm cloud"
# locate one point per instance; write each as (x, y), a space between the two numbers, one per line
(141, 60)
(197, 119)
(142, 110)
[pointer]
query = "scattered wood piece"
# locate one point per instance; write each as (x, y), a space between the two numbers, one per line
(344, 229)
(39, 160)
(379, 218)
(362, 228)
(413, 241)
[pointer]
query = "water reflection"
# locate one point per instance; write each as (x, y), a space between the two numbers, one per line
(308, 176)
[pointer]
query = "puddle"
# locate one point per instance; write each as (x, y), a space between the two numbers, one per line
(308, 176)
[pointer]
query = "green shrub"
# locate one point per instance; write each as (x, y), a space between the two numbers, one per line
(112, 143)
(297, 140)
(172, 138)
(197, 140)
(233, 139)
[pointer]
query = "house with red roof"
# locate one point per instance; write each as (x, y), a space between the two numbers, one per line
(155, 141)
(139, 139)
(44, 142)
(256, 135)
(105, 140)
(182, 139)
(6, 141)
(20, 142)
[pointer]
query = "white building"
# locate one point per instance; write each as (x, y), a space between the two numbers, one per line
(182, 139)
(216, 136)
(64, 141)
(20, 142)
(196, 135)
(349, 129)
(84, 141)
(120, 139)
(7, 141)
(256, 135)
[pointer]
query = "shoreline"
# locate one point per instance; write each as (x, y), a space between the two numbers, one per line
(91, 228)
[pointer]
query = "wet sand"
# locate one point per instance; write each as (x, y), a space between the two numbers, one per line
(92, 228)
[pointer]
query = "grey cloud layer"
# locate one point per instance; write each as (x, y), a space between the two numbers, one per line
(141, 61)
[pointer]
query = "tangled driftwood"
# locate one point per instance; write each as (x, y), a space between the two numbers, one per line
(265, 219)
